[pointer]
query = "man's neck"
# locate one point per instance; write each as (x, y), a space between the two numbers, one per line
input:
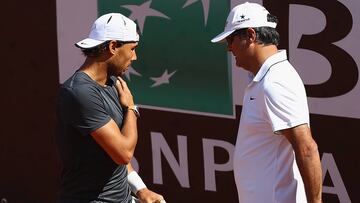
(96, 70)
(262, 53)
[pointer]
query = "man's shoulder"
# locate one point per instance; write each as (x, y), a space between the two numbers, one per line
(78, 78)
(283, 72)
(79, 82)
(78, 87)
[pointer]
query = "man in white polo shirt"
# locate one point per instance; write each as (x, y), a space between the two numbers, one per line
(276, 158)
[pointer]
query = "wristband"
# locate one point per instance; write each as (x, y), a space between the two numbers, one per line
(135, 182)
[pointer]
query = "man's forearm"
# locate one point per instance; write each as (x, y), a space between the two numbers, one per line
(129, 129)
(308, 161)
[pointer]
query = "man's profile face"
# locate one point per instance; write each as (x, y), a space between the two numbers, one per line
(124, 55)
(237, 45)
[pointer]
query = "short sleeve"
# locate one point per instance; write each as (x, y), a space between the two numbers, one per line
(85, 109)
(286, 105)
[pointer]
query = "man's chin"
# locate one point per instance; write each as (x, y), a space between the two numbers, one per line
(121, 74)
(124, 71)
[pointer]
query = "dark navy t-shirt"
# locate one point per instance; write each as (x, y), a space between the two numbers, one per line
(88, 173)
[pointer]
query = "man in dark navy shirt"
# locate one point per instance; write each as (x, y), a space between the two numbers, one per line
(97, 120)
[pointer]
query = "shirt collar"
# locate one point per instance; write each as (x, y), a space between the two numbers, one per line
(279, 56)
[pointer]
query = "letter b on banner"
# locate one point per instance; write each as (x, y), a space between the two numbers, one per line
(344, 71)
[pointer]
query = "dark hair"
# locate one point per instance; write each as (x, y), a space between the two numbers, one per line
(99, 49)
(264, 35)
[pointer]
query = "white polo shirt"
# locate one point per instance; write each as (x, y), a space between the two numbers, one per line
(265, 169)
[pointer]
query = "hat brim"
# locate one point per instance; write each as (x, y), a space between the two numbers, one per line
(221, 37)
(88, 43)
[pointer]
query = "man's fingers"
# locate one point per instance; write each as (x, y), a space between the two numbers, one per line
(123, 83)
(160, 201)
(119, 86)
(120, 82)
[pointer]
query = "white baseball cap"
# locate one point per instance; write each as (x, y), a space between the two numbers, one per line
(243, 16)
(111, 26)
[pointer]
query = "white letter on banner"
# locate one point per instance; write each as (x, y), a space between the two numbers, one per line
(181, 169)
(209, 161)
(328, 165)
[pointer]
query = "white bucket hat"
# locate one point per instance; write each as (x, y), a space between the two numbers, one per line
(111, 26)
(243, 16)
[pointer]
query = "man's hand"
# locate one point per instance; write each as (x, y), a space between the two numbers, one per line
(126, 98)
(147, 196)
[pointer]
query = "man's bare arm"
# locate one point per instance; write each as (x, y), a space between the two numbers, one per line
(308, 160)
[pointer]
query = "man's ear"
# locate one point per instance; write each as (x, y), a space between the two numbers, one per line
(251, 34)
(112, 46)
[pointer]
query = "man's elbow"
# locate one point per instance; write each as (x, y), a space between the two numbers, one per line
(124, 158)
(309, 149)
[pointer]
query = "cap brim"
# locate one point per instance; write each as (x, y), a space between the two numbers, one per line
(221, 37)
(88, 43)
